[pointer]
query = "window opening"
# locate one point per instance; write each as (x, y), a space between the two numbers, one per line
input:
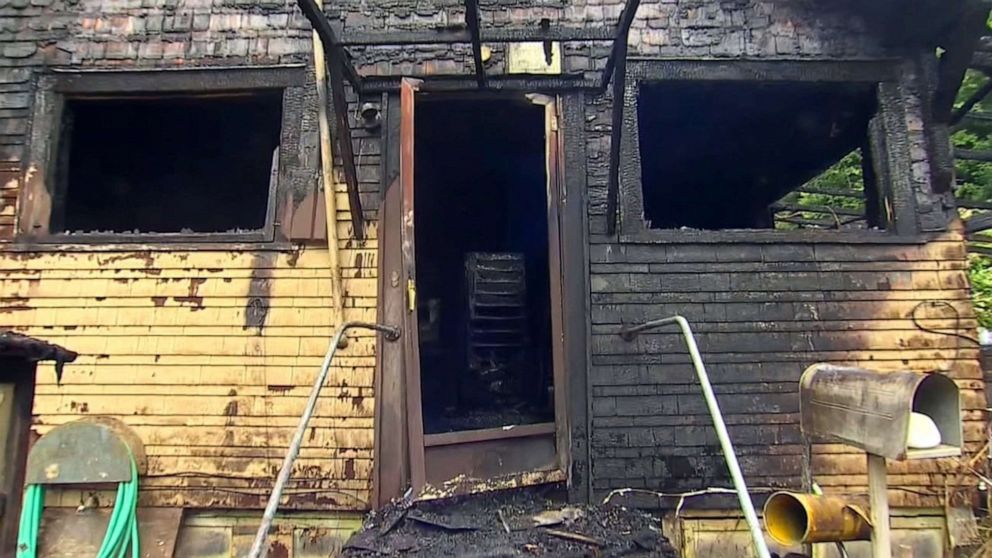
(482, 264)
(166, 164)
(752, 155)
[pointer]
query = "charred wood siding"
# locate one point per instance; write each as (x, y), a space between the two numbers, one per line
(762, 313)
(207, 353)
(175, 345)
(764, 307)
(10, 180)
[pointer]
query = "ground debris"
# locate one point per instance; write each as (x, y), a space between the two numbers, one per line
(548, 518)
(570, 536)
(476, 527)
(440, 521)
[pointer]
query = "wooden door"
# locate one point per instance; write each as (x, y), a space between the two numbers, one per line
(476, 454)
(391, 465)
(411, 337)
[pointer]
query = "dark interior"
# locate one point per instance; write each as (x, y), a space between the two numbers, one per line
(717, 154)
(167, 164)
(480, 187)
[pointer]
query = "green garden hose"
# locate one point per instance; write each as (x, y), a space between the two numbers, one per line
(122, 530)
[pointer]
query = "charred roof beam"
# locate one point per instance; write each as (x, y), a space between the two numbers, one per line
(463, 36)
(619, 51)
(973, 155)
(971, 101)
(960, 45)
(318, 20)
(472, 21)
(616, 68)
(337, 67)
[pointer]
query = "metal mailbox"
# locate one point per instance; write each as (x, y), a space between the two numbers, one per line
(871, 410)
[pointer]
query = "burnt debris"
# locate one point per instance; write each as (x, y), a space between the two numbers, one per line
(525, 522)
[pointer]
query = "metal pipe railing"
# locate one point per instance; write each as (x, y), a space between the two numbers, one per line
(392, 334)
(747, 506)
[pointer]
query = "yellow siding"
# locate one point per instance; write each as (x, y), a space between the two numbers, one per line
(166, 347)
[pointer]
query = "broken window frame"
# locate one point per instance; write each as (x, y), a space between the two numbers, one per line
(888, 137)
(54, 89)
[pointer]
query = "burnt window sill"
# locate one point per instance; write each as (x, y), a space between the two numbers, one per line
(255, 241)
(767, 236)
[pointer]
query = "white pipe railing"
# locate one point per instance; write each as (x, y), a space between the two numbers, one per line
(391, 334)
(747, 506)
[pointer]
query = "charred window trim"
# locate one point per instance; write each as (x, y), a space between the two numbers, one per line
(890, 144)
(53, 89)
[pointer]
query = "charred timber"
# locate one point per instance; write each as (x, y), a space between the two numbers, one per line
(957, 57)
(829, 192)
(472, 21)
(979, 119)
(981, 61)
(619, 51)
(461, 82)
(619, 90)
(972, 155)
(463, 36)
(336, 64)
(978, 223)
(972, 204)
(970, 103)
(617, 64)
(817, 209)
(318, 20)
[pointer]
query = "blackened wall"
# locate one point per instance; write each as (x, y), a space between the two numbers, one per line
(763, 310)
(764, 307)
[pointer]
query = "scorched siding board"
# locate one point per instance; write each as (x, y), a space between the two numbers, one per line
(758, 329)
(762, 312)
(171, 345)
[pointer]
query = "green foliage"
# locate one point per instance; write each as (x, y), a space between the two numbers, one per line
(974, 178)
(974, 182)
(980, 275)
(843, 177)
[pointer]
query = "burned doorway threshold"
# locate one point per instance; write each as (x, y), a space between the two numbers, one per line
(524, 522)
(464, 485)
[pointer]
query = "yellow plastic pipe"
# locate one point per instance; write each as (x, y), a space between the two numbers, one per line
(327, 177)
(793, 518)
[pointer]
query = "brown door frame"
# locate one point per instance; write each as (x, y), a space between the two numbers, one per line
(411, 392)
(411, 337)
(553, 174)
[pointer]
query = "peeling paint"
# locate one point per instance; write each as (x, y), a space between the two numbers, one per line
(194, 302)
(259, 289)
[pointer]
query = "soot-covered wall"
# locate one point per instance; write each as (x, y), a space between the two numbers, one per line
(763, 308)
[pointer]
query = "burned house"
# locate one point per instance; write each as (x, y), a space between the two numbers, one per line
(511, 183)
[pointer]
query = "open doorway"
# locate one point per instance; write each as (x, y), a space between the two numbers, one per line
(482, 270)
(470, 264)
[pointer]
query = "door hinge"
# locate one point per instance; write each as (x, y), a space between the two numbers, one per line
(411, 295)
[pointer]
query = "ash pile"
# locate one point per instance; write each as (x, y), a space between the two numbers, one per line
(508, 524)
